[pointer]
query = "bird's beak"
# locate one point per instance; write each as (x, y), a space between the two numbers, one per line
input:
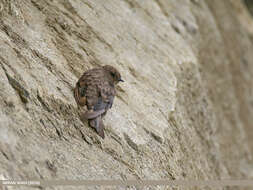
(120, 80)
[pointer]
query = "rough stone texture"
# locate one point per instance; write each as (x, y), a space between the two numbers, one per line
(184, 112)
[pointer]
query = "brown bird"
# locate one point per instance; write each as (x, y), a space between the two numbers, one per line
(96, 90)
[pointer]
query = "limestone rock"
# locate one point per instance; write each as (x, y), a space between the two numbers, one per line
(184, 111)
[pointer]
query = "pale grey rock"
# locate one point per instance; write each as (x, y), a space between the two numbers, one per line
(184, 111)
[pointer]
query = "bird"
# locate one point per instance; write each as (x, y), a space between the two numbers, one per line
(95, 89)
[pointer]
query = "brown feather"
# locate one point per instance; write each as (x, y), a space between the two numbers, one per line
(96, 90)
(90, 114)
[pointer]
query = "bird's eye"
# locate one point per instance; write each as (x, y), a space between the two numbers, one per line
(113, 75)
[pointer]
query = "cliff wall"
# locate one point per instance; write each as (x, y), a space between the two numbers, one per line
(184, 112)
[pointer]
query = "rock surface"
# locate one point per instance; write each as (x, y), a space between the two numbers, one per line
(184, 112)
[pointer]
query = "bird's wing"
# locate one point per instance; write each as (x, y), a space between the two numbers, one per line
(104, 104)
(80, 91)
(86, 87)
(79, 94)
(106, 98)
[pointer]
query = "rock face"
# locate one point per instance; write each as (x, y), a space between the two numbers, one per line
(184, 112)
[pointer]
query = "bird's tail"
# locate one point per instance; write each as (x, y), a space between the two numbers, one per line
(79, 100)
(97, 123)
(93, 114)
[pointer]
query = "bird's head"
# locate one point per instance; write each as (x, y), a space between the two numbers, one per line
(113, 73)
